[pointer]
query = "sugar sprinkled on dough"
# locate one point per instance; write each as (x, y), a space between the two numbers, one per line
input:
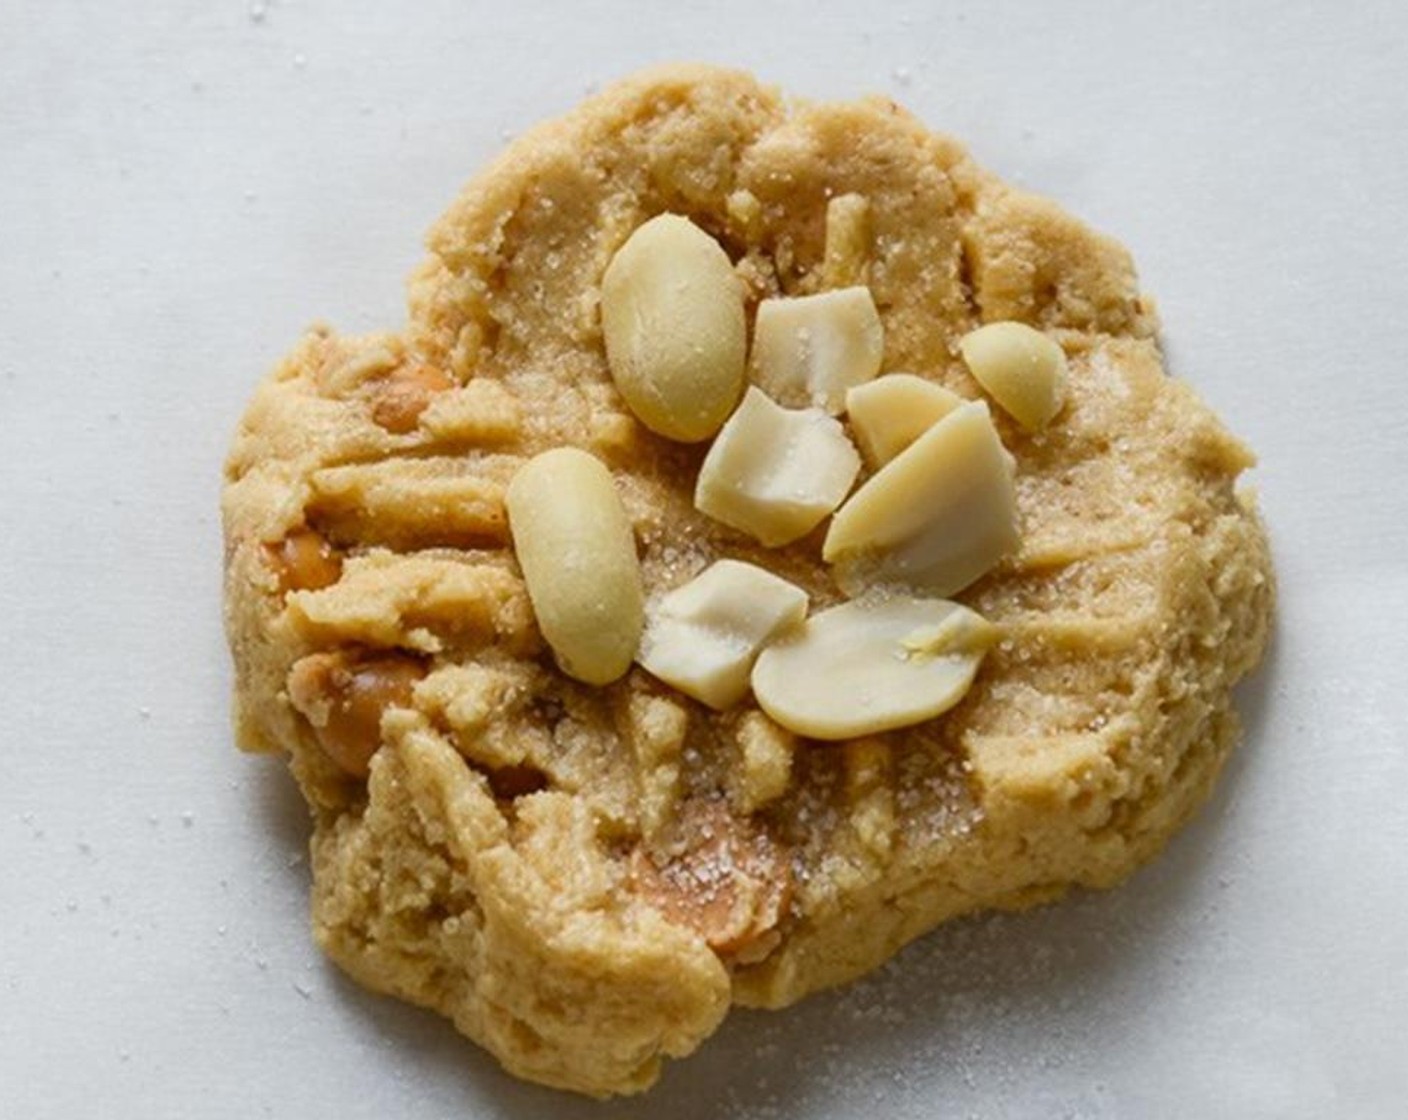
(1141, 593)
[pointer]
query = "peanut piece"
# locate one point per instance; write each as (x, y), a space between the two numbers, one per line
(343, 697)
(1023, 370)
(676, 337)
(847, 241)
(891, 412)
(933, 519)
(809, 350)
(578, 555)
(703, 637)
(872, 665)
(304, 561)
(775, 472)
(745, 212)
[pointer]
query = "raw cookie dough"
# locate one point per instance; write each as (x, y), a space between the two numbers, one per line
(585, 879)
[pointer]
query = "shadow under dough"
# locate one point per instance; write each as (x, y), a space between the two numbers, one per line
(279, 806)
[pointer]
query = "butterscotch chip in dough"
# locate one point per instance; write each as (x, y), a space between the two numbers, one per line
(585, 878)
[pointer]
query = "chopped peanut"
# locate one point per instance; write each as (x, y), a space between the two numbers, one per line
(703, 637)
(808, 350)
(846, 262)
(774, 472)
(935, 517)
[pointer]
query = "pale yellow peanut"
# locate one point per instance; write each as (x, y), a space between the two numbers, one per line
(575, 545)
(745, 212)
(933, 519)
(702, 637)
(847, 241)
(1022, 369)
(871, 665)
(809, 350)
(776, 472)
(676, 337)
(891, 412)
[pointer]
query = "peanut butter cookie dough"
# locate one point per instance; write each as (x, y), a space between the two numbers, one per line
(585, 869)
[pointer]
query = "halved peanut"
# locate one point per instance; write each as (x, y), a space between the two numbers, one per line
(775, 472)
(703, 637)
(933, 519)
(343, 696)
(871, 665)
(676, 337)
(304, 561)
(403, 394)
(578, 554)
(810, 349)
(891, 412)
(1023, 369)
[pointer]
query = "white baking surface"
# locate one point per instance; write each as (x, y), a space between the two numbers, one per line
(184, 186)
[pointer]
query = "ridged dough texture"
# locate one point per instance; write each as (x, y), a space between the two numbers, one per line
(547, 863)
